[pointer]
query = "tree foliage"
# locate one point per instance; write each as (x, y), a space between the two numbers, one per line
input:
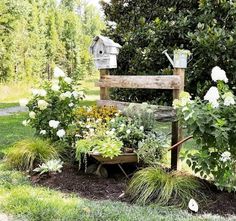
(147, 27)
(37, 34)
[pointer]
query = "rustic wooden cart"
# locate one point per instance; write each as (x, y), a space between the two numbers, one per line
(119, 160)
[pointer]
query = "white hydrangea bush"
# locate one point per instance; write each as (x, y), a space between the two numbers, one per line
(212, 122)
(51, 108)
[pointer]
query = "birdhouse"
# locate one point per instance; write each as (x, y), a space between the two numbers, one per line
(105, 52)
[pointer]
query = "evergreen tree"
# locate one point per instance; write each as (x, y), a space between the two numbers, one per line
(36, 35)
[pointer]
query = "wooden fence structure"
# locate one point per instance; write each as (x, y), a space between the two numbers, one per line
(173, 82)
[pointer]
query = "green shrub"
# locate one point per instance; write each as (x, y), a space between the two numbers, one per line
(143, 115)
(154, 185)
(212, 123)
(28, 153)
(152, 149)
(205, 27)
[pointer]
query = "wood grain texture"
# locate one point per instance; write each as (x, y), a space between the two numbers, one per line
(144, 82)
(162, 113)
(104, 91)
(177, 133)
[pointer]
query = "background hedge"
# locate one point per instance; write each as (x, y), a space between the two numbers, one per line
(147, 27)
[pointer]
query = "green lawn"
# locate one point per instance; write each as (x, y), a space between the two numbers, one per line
(12, 130)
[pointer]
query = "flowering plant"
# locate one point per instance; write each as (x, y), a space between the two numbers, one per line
(212, 122)
(89, 119)
(128, 130)
(51, 108)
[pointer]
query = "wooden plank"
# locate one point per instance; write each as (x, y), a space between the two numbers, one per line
(145, 82)
(104, 91)
(162, 113)
(177, 134)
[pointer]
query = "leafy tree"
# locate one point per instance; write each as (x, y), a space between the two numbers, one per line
(37, 34)
(147, 27)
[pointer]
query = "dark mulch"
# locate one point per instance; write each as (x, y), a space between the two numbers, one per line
(85, 185)
(92, 187)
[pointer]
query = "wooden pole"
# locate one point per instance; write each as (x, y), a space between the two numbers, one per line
(104, 91)
(176, 128)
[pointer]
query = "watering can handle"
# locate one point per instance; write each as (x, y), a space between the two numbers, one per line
(190, 58)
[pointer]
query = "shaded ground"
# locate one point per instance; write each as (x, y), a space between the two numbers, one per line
(92, 187)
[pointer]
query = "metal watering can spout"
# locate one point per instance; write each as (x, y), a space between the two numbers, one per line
(168, 56)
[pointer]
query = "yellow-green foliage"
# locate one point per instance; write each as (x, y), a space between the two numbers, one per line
(26, 154)
(95, 112)
(153, 184)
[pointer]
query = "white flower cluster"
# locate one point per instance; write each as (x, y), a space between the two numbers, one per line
(58, 73)
(225, 156)
(42, 132)
(217, 74)
(32, 114)
(61, 133)
(213, 94)
(42, 104)
(55, 87)
(228, 99)
(184, 99)
(54, 123)
(65, 95)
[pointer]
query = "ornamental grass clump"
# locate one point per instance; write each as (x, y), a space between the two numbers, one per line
(27, 154)
(154, 185)
(212, 123)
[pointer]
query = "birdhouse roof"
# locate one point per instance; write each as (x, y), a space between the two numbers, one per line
(106, 41)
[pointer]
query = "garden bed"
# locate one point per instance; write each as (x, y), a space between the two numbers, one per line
(92, 187)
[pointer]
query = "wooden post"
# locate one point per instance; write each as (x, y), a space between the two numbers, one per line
(104, 91)
(176, 128)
